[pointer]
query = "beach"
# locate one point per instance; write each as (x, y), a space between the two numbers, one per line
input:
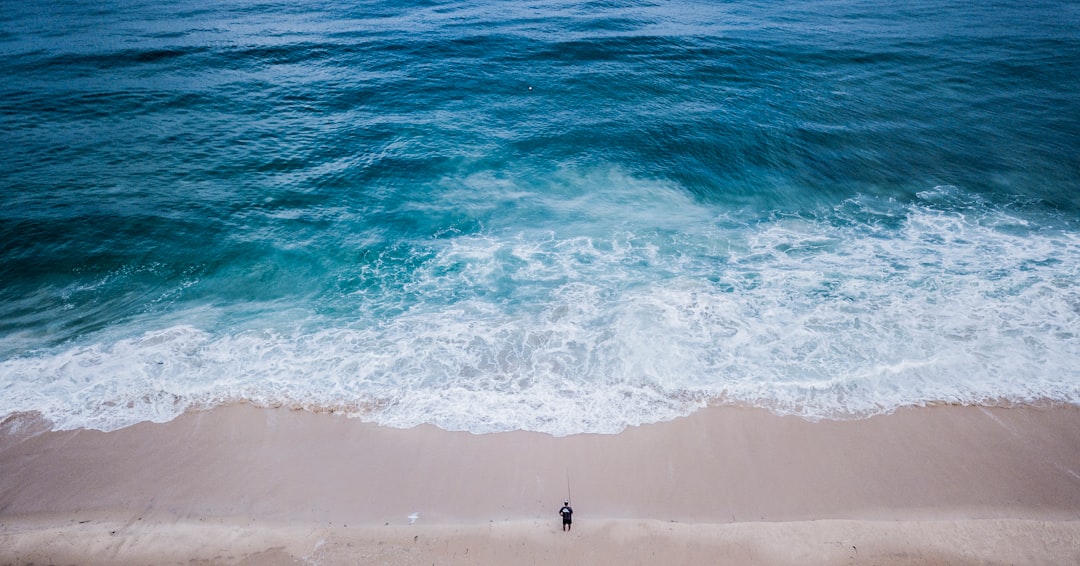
(388, 282)
(245, 485)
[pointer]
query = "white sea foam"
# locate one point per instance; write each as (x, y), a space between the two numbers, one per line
(565, 331)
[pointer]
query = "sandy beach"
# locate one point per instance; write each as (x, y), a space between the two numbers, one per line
(242, 485)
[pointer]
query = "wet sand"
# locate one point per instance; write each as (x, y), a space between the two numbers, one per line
(962, 485)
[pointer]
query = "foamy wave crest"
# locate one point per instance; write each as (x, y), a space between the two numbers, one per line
(852, 312)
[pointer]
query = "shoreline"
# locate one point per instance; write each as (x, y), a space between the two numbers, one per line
(720, 480)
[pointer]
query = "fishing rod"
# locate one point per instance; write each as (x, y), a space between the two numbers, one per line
(567, 484)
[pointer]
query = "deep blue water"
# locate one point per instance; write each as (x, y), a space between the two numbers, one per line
(542, 215)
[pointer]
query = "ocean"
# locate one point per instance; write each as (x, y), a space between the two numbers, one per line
(546, 215)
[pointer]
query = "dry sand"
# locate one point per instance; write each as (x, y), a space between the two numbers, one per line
(240, 485)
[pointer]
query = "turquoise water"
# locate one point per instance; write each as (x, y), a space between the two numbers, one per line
(554, 216)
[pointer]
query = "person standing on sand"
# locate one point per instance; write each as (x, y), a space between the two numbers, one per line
(567, 513)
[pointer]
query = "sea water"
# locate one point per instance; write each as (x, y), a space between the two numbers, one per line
(546, 215)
